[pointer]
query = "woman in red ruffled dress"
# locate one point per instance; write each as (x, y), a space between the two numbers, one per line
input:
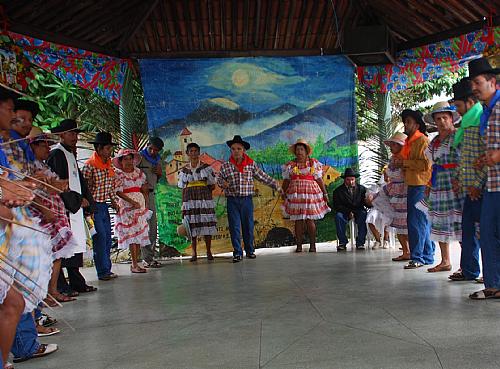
(306, 199)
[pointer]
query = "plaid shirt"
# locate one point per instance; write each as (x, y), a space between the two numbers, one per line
(101, 185)
(493, 143)
(472, 147)
(241, 184)
(17, 159)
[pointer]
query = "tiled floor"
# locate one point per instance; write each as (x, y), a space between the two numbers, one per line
(324, 310)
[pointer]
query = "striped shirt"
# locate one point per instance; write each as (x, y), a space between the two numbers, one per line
(493, 143)
(472, 147)
(100, 183)
(241, 184)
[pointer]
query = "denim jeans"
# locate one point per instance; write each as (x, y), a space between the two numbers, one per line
(419, 228)
(490, 239)
(102, 240)
(341, 221)
(240, 217)
(26, 338)
(469, 258)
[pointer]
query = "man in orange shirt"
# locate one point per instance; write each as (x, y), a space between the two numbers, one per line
(417, 171)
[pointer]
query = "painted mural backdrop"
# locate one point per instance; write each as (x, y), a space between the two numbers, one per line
(270, 102)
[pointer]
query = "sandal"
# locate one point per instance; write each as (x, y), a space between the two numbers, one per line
(43, 350)
(457, 277)
(153, 264)
(87, 289)
(72, 294)
(50, 302)
(137, 270)
(46, 320)
(63, 298)
(401, 258)
(485, 294)
(440, 268)
(45, 332)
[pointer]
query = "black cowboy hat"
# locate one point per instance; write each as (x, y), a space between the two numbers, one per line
(238, 139)
(349, 172)
(481, 66)
(103, 138)
(462, 89)
(66, 125)
(27, 105)
(7, 93)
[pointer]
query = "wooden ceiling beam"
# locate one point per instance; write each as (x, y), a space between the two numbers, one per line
(164, 22)
(137, 23)
(449, 5)
(29, 30)
(257, 24)
(201, 24)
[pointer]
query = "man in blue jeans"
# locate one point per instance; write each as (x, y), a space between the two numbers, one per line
(349, 202)
(484, 82)
(471, 180)
(26, 345)
(100, 177)
(236, 178)
(417, 170)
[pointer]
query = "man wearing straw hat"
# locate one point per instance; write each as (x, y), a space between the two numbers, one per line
(484, 85)
(62, 161)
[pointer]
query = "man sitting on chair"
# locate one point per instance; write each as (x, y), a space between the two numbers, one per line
(349, 201)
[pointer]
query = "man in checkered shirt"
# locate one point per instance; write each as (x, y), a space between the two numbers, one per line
(484, 86)
(236, 178)
(100, 177)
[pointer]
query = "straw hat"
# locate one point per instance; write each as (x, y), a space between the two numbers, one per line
(303, 142)
(124, 152)
(398, 138)
(37, 135)
(440, 107)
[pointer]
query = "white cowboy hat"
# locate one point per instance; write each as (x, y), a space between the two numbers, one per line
(398, 138)
(440, 107)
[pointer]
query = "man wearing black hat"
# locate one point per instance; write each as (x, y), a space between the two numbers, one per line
(470, 180)
(150, 164)
(484, 86)
(236, 179)
(62, 161)
(349, 201)
(100, 177)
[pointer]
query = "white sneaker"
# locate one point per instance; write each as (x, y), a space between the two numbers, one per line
(385, 245)
(376, 245)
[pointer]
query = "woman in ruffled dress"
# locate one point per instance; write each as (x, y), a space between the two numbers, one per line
(52, 212)
(441, 204)
(306, 198)
(197, 181)
(131, 223)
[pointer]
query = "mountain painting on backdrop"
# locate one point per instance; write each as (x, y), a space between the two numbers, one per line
(270, 102)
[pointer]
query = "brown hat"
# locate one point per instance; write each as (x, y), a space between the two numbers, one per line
(303, 142)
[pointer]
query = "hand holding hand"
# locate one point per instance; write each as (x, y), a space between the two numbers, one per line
(474, 193)
(492, 157)
(480, 162)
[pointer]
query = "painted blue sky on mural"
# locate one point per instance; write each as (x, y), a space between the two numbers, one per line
(263, 99)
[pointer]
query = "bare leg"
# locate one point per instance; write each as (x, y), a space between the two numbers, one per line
(445, 264)
(403, 240)
(208, 244)
(299, 234)
(10, 311)
(194, 242)
(311, 230)
(375, 232)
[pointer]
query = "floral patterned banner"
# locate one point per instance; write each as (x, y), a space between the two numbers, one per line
(101, 74)
(15, 69)
(423, 63)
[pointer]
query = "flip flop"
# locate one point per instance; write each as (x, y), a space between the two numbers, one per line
(485, 295)
(401, 258)
(88, 288)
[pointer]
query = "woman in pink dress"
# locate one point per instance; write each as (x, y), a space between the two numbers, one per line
(131, 223)
(306, 199)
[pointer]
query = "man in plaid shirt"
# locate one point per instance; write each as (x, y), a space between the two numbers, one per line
(471, 180)
(100, 177)
(236, 178)
(484, 86)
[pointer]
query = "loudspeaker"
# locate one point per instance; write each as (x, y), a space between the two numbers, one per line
(372, 45)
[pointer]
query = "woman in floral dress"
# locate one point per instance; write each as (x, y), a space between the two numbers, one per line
(131, 224)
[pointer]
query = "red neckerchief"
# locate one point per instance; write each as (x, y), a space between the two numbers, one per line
(405, 152)
(246, 161)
